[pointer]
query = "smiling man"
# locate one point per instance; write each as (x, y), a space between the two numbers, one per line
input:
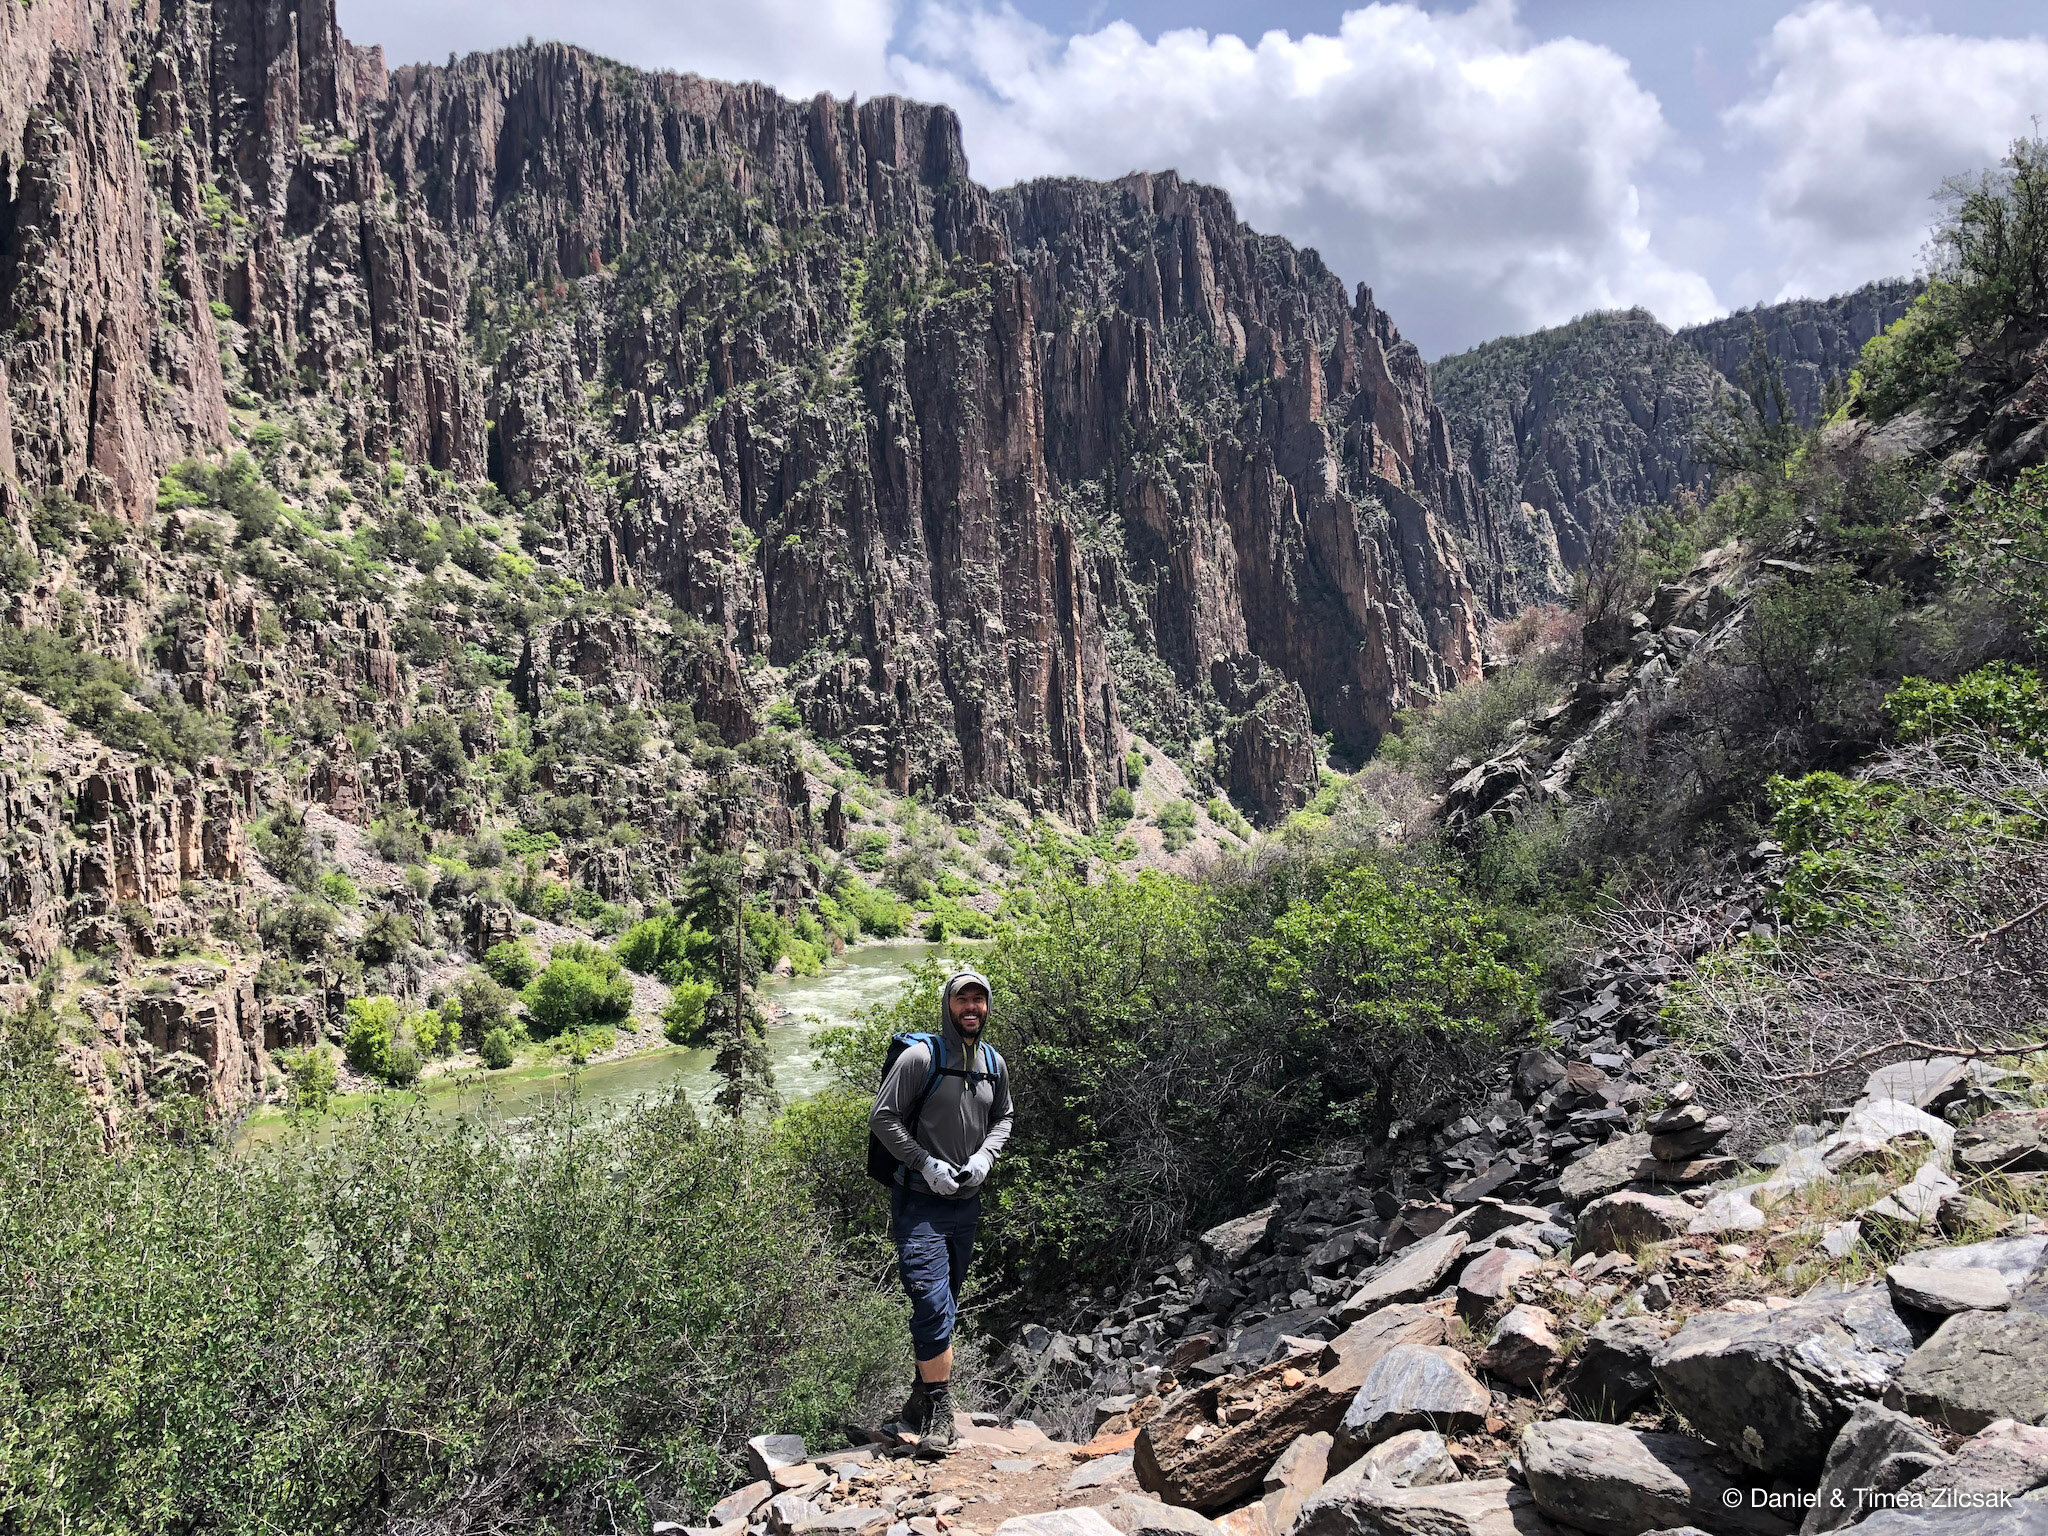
(944, 1120)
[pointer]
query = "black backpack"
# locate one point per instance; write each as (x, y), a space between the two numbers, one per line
(882, 1164)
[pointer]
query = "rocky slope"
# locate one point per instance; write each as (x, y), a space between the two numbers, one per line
(1567, 431)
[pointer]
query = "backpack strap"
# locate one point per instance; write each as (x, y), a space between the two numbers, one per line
(936, 1044)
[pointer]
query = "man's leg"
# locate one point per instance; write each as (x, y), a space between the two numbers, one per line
(924, 1260)
(957, 1225)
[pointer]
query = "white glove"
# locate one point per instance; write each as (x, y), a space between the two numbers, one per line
(976, 1170)
(940, 1177)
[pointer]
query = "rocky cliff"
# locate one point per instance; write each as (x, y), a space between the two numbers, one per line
(988, 472)
(1567, 431)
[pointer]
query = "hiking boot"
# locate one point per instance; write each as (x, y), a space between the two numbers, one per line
(917, 1412)
(938, 1431)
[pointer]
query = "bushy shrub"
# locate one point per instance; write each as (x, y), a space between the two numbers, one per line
(683, 1017)
(1469, 724)
(1119, 807)
(2001, 703)
(371, 1033)
(496, 1049)
(484, 1006)
(581, 985)
(310, 1079)
(412, 1323)
(1176, 823)
(875, 913)
(510, 963)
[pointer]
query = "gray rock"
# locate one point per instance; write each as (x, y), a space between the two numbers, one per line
(1229, 1243)
(1979, 1367)
(843, 1522)
(1914, 1205)
(1415, 1458)
(1902, 1128)
(1924, 1084)
(741, 1503)
(1409, 1276)
(1877, 1453)
(1627, 1219)
(2017, 1260)
(1103, 1469)
(2007, 1141)
(2026, 1518)
(1604, 1170)
(1083, 1521)
(1293, 1479)
(1524, 1348)
(2005, 1458)
(1134, 1514)
(1412, 1386)
(1727, 1210)
(1495, 1507)
(1610, 1375)
(1487, 1281)
(1537, 1070)
(1946, 1291)
(1615, 1481)
(1775, 1387)
(766, 1453)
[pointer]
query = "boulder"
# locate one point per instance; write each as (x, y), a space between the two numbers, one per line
(1603, 1170)
(1628, 1219)
(1979, 1367)
(1615, 1481)
(2027, 1518)
(1924, 1084)
(1366, 1340)
(741, 1503)
(1913, 1206)
(1103, 1469)
(1415, 1458)
(1250, 1520)
(1899, 1127)
(1408, 1276)
(1292, 1480)
(1495, 1507)
(1058, 1522)
(767, 1453)
(2006, 1459)
(1524, 1347)
(2016, 1260)
(1610, 1375)
(1488, 1280)
(1230, 1243)
(2005, 1141)
(1726, 1211)
(1946, 1291)
(1136, 1515)
(1412, 1386)
(1536, 1070)
(1878, 1452)
(1775, 1387)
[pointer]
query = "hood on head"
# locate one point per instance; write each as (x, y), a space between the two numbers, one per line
(954, 982)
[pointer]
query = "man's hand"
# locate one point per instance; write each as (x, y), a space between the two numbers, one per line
(976, 1170)
(941, 1176)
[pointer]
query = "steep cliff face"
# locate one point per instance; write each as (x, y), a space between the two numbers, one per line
(1565, 432)
(1815, 342)
(986, 472)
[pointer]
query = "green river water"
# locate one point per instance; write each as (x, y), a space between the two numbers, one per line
(862, 977)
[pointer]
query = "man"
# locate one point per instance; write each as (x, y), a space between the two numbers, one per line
(945, 1151)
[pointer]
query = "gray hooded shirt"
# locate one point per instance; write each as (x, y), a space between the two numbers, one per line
(961, 1117)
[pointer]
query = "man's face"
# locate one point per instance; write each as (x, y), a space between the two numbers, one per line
(970, 1009)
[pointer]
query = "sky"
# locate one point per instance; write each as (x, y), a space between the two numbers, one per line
(1487, 167)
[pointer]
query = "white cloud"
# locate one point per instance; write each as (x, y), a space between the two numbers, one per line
(799, 46)
(1478, 180)
(1863, 118)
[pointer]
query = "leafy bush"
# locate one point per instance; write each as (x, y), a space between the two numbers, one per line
(510, 963)
(413, 1323)
(1176, 823)
(683, 1017)
(310, 1079)
(2001, 702)
(873, 912)
(1470, 724)
(580, 986)
(1910, 359)
(1119, 807)
(484, 1006)
(496, 1049)
(371, 1033)
(2001, 548)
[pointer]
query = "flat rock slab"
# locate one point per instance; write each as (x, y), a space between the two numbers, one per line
(1495, 1507)
(1415, 1458)
(1897, 1125)
(1979, 1367)
(768, 1453)
(1947, 1291)
(2028, 1518)
(1604, 1170)
(2005, 1141)
(1135, 1515)
(1372, 1336)
(1413, 1386)
(2017, 1260)
(1615, 1481)
(1775, 1387)
(1878, 1452)
(1922, 1083)
(1058, 1522)
(1229, 1243)
(741, 1503)
(1488, 1279)
(2005, 1459)
(1628, 1219)
(1104, 1469)
(1408, 1276)
(1726, 1211)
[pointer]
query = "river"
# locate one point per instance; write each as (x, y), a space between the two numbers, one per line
(806, 1005)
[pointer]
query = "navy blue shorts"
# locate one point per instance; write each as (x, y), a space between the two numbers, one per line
(934, 1240)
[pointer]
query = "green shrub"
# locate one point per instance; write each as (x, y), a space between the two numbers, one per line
(1176, 823)
(2001, 548)
(2002, 702)
(1470, 724)
(510, 963)
(1910, 359)
(484, 1006)
(310, 1079)
(412, 1323)
(496, 1049)
(581, 985)
(683, 1017)
(875, 913)
(336, 886)
(370, 1034)
(1120, 807)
